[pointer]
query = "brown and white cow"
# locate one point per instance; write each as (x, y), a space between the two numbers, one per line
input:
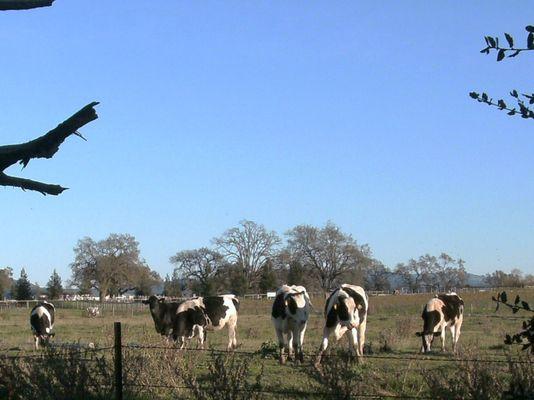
(346, 311)
(444, 310)
(289, 315)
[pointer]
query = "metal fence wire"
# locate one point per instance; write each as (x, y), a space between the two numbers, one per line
(118, 384)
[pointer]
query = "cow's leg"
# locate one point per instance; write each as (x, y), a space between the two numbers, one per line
(353, 343)
(300, 341)
(290, 338)
(36, 340)
(455, 334)
(232, 331)
(200, 333)
(442, 338)
(281, 346)
(323, 346)
(361, 336)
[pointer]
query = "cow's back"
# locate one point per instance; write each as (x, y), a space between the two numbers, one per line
(42, 318)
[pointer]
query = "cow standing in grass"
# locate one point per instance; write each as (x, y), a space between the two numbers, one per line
(444, 310)
(163, 314)
(346, 311)
(290, 312)
(196, 316)
(42, 322)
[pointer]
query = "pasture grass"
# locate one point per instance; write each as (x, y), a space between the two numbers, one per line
(392, 323)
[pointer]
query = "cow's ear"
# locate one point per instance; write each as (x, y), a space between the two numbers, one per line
(418, 334)
(335, 306)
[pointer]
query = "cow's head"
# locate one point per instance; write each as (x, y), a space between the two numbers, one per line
(154, 301)
(295, 300)
(347, 310)
(427, 338)
(44, 339)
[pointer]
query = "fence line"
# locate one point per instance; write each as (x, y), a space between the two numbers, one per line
(118, 383)
(366, 356)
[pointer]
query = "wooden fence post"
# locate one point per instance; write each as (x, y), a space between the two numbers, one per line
(118, 361)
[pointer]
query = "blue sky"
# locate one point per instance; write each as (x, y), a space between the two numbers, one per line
(279, 112)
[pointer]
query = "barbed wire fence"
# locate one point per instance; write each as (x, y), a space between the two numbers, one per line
(118, 384)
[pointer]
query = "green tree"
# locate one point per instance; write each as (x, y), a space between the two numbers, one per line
(54, 287)
(147, 280)
(6, 280)
(236, 280)
(112, 266)
(22, 289)
(295, 274)
(172, 287)
(201, 266)
(268, 281)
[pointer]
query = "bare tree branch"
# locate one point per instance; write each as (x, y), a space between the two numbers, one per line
(43, 147)
(23, 4)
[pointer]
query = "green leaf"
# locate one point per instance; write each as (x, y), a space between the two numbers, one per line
(517, 299)
(473, 95)
(512, 112)
(513, 93)
(501, 104)
(484, 97)
(500, 55)
(510, 39)
(529, 28)
(525, 305)
(515, 53)
(491, 42)
(508, 339)
(486, 50)
(515, 309)
(530, 40)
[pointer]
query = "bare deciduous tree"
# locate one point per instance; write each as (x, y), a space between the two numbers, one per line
(377, 276)
(249, 246)
(43, 147)
(328, 252)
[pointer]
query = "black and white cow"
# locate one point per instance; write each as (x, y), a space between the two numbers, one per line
(196, 316)
(444, 310)
(289, 315)
(346, 310)
(163, 314)
(42, 322)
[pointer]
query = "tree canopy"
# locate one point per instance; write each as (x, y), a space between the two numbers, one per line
(112, 266)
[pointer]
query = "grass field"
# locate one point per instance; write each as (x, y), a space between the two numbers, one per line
(392, 323)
